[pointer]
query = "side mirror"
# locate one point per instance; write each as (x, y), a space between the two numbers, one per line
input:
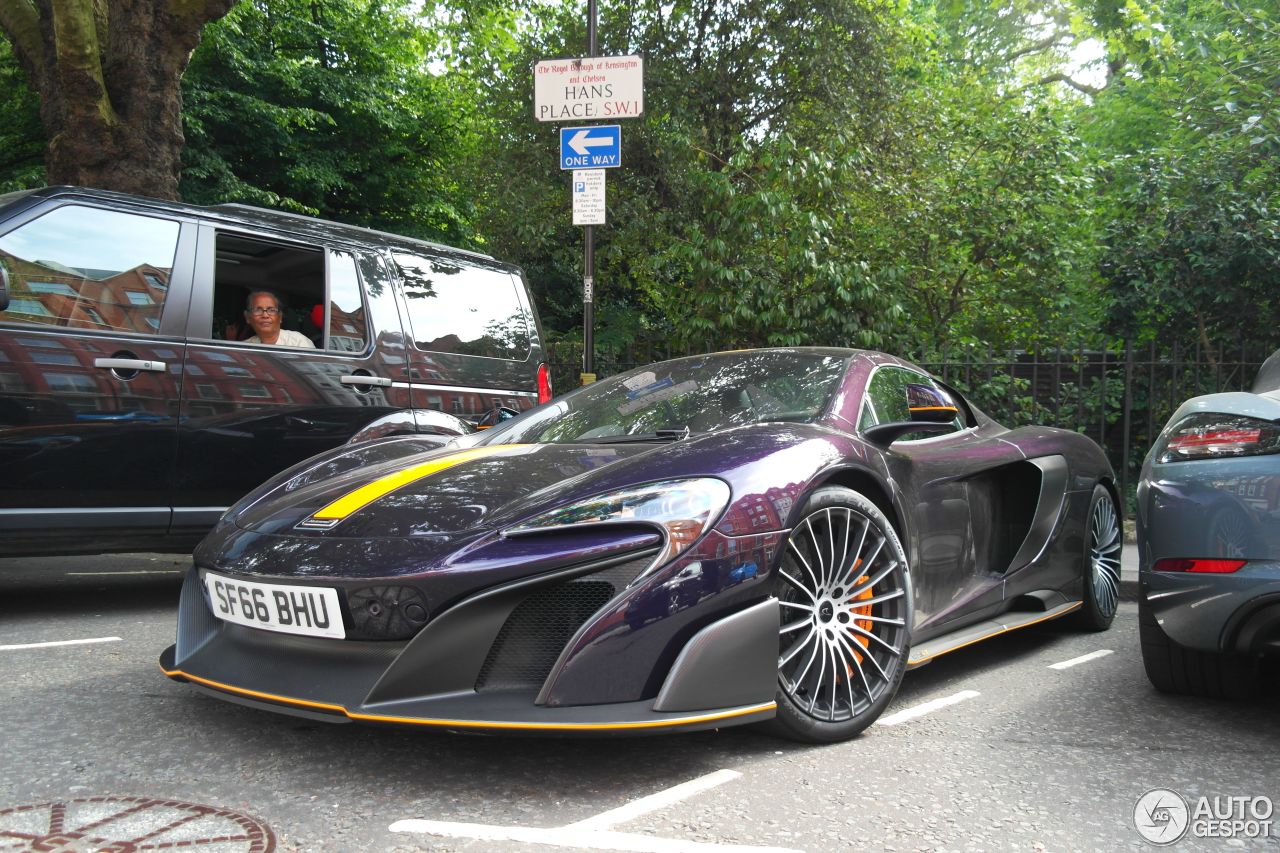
(495, 416)
(4, 288)
(931, 411)
(928, 405)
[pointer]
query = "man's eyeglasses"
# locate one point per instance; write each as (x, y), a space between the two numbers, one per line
(268, 312)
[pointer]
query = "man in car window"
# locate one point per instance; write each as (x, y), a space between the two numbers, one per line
(262, 313)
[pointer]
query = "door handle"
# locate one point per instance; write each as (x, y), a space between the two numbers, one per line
(368, 381)
(131, 364)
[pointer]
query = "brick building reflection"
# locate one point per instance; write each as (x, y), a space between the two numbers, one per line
(220, 380)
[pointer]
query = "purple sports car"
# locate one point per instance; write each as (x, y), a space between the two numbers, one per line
(716, 540)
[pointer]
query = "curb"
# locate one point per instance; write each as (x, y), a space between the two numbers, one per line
(1129, 589)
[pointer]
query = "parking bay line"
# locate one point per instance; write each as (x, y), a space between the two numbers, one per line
(925, 708)
(19, 646)
(593, 833)
(122, 574)
(1067, 664)
(653, 802)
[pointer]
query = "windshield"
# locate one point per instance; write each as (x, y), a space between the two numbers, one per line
(666, 401)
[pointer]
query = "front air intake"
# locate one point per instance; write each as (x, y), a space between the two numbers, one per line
(530, 641)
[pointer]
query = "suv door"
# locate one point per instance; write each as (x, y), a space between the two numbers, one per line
(90, 372)
(250, 410)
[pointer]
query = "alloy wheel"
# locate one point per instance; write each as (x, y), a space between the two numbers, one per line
(1104, 556)
(844, 614)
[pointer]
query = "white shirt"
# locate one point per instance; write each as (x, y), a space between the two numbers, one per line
(286, 339)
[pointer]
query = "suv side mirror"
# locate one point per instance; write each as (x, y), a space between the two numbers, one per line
(495, 416)
(4, 288)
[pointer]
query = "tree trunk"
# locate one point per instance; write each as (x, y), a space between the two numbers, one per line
(109, 75)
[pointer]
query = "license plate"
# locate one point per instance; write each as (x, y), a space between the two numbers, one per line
(309, 610)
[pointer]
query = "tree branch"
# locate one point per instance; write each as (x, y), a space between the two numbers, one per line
(1091, 91)
(194, 14)
(21, 23)
(1052, 40)
(77, 60)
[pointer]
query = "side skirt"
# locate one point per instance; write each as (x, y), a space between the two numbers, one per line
(970, 634)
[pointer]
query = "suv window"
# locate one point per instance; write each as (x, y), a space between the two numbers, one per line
(886, 400)
(297, 275)
(348, 329)
(87, 268)
(456, 307)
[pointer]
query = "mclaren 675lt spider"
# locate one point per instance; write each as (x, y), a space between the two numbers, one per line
(765, 535)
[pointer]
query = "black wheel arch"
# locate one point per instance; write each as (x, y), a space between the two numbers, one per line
(865, 482)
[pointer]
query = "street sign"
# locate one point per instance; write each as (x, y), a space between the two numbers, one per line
(591, 147)
(600, 87)
(588, 197)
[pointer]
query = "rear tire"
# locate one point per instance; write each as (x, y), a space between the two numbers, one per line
(845, 597)
(1103, 542)
(1174, 668)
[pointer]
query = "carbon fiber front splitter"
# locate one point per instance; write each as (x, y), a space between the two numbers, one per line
(726, 676)
(494, 712)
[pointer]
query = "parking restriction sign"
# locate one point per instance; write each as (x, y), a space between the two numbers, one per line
(588, 197)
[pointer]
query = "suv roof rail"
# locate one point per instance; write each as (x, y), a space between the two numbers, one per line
(237, 207)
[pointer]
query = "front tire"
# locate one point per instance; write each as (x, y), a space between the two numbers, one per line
(845, 596)
(1103, 545)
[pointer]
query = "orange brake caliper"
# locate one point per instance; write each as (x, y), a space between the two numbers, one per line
(864, 624)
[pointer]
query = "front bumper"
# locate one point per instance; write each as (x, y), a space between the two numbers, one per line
(626, 667)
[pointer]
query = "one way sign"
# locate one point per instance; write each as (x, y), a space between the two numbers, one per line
(591, 147)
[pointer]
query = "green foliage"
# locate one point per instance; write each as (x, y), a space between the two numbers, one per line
(1193, 176)
(21, 137)
(984, 223)
(912, 175)
(327, 107)
(728, 220)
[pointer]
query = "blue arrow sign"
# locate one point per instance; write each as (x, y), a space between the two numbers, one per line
(591, 147)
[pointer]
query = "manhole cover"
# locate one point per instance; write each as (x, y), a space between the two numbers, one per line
(127, 824)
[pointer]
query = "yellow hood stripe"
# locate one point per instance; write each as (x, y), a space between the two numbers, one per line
(370, 492)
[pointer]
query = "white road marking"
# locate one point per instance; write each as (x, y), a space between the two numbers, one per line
(1067, 664)
(927, 707)
(119, 574)
(593, 833)
(653, 802)
(59, 643)
(563, 836)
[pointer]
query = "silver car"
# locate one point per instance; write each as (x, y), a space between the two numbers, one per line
(1208, 515)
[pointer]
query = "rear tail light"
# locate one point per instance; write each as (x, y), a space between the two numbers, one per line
(544, 384)
(1185, 564)
(1214, 436)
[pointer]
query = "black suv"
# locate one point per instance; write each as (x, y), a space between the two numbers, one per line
(133, 409)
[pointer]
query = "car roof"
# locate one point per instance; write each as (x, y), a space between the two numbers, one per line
(837, 352)
(245, 214)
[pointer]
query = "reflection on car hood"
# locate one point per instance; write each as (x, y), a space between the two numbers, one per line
(454, 494)
(437, 493)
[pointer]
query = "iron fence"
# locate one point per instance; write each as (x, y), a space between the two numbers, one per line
(1120, 396)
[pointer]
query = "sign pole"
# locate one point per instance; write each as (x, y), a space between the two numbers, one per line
(589, 250)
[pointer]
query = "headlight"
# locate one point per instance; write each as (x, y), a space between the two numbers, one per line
(1207, 435)
(684, 509)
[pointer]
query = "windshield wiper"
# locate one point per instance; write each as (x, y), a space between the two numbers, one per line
(666, 434)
